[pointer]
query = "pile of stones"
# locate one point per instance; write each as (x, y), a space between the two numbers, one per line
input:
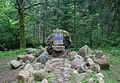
(38, 66)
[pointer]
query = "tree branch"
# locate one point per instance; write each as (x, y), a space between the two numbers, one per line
(34, 5)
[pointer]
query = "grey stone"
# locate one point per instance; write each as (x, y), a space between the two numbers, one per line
(84, 51)
(48, 66)
(100, 80)
(40, 74)
(15, 64)
(44, 81)
(81, 76)
(98, 53)
(37, 66)
(43, 57)
(99, 75)
(20, 57)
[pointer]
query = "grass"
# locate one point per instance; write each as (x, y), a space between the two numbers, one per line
(11, 53)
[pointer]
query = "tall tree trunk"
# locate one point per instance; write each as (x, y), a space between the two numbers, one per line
(21, 24)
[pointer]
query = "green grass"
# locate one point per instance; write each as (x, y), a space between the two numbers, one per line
(11, 53)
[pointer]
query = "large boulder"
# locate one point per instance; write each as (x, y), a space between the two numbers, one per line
(40, 75)
(15, 64)
(29, 57)
(84, 51)
(43, 57)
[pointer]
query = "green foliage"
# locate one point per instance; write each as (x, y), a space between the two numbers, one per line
(11, 53)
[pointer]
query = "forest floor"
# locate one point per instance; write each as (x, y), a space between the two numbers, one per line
(8, 75)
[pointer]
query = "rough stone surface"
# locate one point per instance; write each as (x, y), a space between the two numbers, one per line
(39, 52)
(99, 75)
(98, 53)
(43, 57)
(81, 76)
(37, 66)
(20, 57)
(23, 76)
(100, 80)
(79, 63)
(103, 63)
(90, 61)
(40, 74)
(96, 68)
(48, 66)
(15, 64)
(29, 57)
(44, 81)
(84, 51)
(72, 54)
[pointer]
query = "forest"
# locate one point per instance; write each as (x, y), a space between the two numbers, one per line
(93, 27)
(27, 23)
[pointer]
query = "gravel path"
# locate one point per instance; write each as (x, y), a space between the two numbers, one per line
(7, 75)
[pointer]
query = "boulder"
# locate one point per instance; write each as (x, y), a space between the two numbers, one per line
(84, 51)
(29, 57)
(75, 72)
(81, 76)
(29, 67)
(100, 80)
(44, 81)
(95, 67)
(90, 62)
(15, 64)
(103, 63)
(80, 64)
(40, 75)
(37, 66)
(28, 50)
(99, 75)
(91, 80)
(43, 57)
(20, 57)
(48, 66)
(23, 76)
(72, 54)
(98, 53)
(78, 56)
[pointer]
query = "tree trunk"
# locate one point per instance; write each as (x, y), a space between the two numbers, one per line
(21, 23)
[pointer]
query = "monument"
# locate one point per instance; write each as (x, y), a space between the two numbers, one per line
(58, 42)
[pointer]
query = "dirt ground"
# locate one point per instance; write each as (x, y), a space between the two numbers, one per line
(7, 75)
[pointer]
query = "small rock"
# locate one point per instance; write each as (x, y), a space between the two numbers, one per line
(43, 57)
(29, 67)
(40, 74)
(72, 54)
(78, 56)
(99, 75)
(20, 57)
(75, 72)
(29, 57)
(98, 53)
(23, 76)
(96, 68)
(90, 61)
(79, 63)
(40, 51)
(89, 72)
(84, 51)
(37, 66)
(15, 64)
(91, 80)
(44, 81)
(100, 80)
(81, 77)
(48, 66)
(29, 50)
(103, 63)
